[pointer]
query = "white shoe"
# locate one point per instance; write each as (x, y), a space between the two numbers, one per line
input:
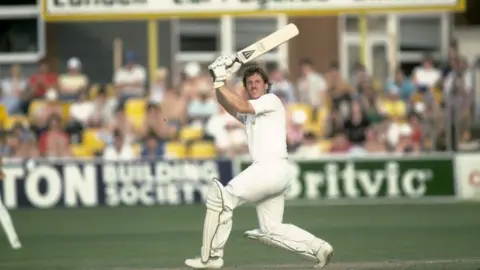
(324, 255)
(17, 245)
(212, 263)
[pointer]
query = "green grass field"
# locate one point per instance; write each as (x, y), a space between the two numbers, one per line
(413, 236)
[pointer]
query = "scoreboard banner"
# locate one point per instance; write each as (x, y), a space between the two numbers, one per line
(379, 177)
(76, 183)
(65, 9)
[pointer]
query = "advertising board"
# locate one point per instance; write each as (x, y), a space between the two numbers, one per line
(467, 167)
(143, 9)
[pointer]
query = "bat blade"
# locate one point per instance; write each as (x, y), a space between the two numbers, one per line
(267, 43)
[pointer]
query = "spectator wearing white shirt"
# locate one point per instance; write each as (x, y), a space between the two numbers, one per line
(81, 115)
(426, 75)
(120, 149)
(130, 79)
(203, 106)
(312, 87)
(157, 89)
(74, 82)
(12, 89)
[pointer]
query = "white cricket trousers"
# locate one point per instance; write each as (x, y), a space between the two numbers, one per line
(264, 184)
(7, 225)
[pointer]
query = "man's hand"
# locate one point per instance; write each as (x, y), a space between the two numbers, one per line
(221, 67)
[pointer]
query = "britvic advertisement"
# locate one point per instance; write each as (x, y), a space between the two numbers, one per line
(374, 178)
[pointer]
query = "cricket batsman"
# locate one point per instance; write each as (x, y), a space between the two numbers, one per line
(262, 183)
(6, 221)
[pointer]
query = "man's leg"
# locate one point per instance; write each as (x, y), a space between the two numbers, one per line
(273, 232)
(8, 227)
(217, 226)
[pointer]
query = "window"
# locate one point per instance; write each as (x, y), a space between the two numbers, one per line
(19, 35)
(18, 2)
(420, 34)
(249, 30)
(199, 35)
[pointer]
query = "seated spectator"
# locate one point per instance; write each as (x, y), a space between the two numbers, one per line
(340, 144)
(417, 130)
(405, 143)
(296, 130)
(153, 147)
(42, 81)
(54, 142)
(81, 115)
(356, 124)
(51, 107)
(359, 76)
(104, 108)
(13, 89)
(157, 89)
(309, 148)
(336, 85)
(120, 150)
(392, 106)
(122, 123)
(174, 108)
(403, 85)
(28, 147)
(394, 132)
(374, 143)
(228, 134)
(74, 82)
(426, 75)
(203, 106)
(281, 85)
(130, 79)
(156, 123)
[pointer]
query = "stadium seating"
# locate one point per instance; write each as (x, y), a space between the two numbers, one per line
(92, 141)
(202, 150)
(14, 119)
(175, 149)
(191, 133)
(81, 151)
(135, 110)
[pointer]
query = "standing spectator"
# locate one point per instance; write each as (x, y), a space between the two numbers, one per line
(54, 142)
(401, 84)
(312, 87)
(13, 88)
(43, 80)
(130, 79)
(74, 82)
(281, 85)
(152, 148)
(157, 89)
(427, 75)
(120, 150)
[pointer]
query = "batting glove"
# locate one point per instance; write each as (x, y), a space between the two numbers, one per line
(233, 65)
(218, 71)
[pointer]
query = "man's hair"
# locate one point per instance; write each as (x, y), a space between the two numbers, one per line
(255, 70)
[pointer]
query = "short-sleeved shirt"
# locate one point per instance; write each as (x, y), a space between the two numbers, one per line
(266, 129)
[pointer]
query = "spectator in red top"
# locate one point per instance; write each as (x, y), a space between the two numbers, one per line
(54, 142)
(42, 80)
(417, 132)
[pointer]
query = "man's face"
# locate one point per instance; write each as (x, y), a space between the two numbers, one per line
(256, 87)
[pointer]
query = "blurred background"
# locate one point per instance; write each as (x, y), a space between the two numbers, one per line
(402, 80)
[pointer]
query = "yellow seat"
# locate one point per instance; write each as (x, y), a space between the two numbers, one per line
(111, 91)
(93, 91)
(66, 112)
(302, 107)
(92, 141)
(135, 106)
(191, 133)
(175, 150)
(202, 150)
(81, 151)
(138, 121)
(14, 119)
(325, 145)
(3, 115)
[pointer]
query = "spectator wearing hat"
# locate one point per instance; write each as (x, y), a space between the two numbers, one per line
(72, 83)
(130, 79)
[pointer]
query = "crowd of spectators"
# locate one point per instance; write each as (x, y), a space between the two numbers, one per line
(66, 115)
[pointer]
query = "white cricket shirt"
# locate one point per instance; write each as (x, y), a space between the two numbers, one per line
(266, 129)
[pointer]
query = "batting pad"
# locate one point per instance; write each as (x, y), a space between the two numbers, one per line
(219, 212)
(302, 244)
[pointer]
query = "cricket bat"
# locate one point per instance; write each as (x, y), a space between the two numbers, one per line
(268, 43)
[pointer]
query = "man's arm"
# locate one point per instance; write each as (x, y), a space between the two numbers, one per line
(232, 102)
